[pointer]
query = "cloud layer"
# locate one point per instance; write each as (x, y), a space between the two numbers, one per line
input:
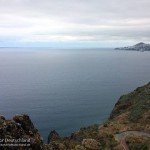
(112, 21)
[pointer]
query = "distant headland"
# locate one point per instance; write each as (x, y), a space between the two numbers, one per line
(138, 47)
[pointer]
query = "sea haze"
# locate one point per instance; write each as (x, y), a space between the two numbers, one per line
(67, 89)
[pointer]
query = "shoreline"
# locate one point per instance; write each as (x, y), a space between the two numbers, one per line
(124, 118)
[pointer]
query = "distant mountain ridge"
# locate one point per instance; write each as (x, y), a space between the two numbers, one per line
(138, 47)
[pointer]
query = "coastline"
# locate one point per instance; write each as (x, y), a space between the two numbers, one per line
(130, 115)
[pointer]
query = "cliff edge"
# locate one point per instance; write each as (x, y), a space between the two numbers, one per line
(127, 128)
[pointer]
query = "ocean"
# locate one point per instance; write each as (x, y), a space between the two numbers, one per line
(65, 89)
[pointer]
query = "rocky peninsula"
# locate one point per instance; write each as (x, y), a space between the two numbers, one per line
(138, 47)
(127, 128)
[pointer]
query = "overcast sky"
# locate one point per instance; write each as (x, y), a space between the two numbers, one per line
(97, 23)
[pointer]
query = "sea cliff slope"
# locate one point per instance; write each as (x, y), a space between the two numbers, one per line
(127, 128)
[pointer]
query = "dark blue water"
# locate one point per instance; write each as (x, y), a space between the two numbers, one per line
(67, 89)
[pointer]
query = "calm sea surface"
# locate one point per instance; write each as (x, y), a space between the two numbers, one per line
(67, 89)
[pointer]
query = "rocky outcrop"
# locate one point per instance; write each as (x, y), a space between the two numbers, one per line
(131, 114)
(135, 103)
(19, 133)
(53, 136)
(138, 47)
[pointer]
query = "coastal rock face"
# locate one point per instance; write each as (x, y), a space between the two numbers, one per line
(19, 130)
(135, 103)
(127, 127)
(138, 47)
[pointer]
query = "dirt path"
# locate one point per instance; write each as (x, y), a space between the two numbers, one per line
(120, 137)
(124, 145)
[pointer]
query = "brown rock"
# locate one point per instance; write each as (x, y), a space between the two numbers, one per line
(20, 127)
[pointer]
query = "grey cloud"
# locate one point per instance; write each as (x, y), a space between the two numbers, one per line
(127, 19)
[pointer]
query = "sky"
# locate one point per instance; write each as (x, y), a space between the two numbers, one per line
(74, 23)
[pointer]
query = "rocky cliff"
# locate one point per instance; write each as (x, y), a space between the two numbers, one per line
(128, 127)
(19, 133)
